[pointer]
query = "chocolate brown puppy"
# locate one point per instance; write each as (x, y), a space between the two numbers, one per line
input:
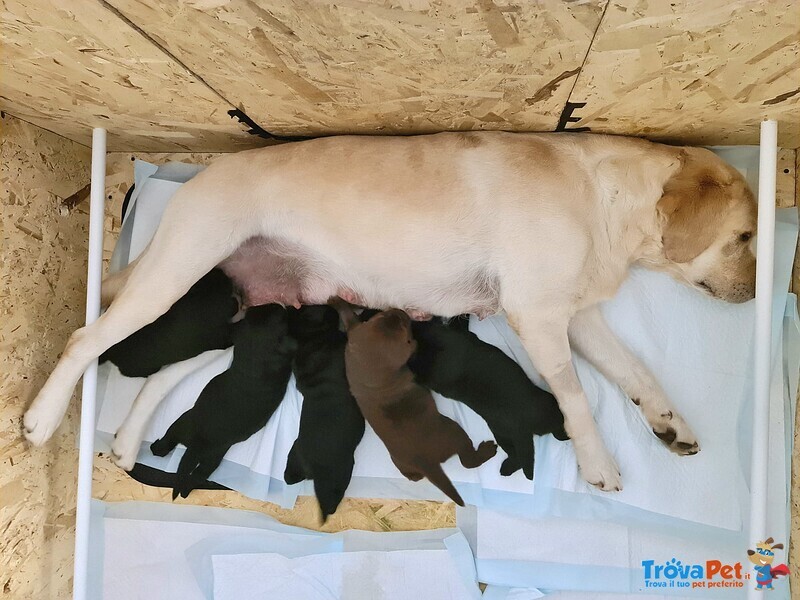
(401, 412)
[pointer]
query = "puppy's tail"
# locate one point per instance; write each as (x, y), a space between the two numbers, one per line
(330, 490)
(346, 313)
(435, 474)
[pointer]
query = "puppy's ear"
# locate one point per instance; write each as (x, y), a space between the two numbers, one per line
(769, 540)
(691, 206)
(779, 546)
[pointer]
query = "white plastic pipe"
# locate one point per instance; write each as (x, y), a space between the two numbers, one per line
(89, 392)
(765, 253)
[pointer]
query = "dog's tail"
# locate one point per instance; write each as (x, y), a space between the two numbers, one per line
(330, 490)
(346, 312)
(435, 474)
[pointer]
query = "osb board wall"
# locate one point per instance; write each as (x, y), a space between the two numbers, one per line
(354, 66)
(70, 65)
(161, 74)
(42, 299)
(699, 72)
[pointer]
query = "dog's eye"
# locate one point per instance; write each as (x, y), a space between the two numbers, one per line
(745, 237)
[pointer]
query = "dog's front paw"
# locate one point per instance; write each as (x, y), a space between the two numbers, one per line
(674, 432)
(125, 449)
(598, 467)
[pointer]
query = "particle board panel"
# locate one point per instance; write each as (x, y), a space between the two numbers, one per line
(785, 178)
(695, 72)
(371, 66)
(70, 65)
(42, 300)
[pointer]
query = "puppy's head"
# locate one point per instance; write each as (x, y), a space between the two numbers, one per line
(708, 216)
(308, 321)
(387, 336)
(264, 328)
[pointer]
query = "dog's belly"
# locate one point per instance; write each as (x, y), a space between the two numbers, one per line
(267, 270)
(270, 271)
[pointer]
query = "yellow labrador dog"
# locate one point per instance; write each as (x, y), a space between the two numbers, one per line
(541, 226)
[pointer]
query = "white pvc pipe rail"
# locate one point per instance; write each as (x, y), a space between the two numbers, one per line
(89, 391)
(765, 252)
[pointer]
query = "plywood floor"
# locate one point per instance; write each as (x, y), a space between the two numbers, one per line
(42, 279)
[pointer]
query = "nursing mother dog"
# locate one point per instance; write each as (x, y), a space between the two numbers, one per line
(541, 226)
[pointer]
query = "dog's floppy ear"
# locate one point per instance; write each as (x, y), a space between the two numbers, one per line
(779, 546)
(769, 540)
(692, 203)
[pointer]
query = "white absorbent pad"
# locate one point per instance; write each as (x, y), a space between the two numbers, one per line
(154, 551)
(697, 347)
(585, 557)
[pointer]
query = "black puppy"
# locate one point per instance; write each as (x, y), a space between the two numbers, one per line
(331, 425)
(198, 322)
(237, 403)
(455, 363)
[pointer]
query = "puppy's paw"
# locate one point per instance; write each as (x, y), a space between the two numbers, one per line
(41, 420)
(162, 447)
(675, 433)
(509, 467)
(486, 450)
(598, 467)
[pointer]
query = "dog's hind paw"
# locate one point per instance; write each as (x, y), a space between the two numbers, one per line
(674, 432)
(125, 450)
(40, 423)
(486, 450)
(509, 467)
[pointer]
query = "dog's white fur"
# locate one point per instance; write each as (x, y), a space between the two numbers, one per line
(546, 224)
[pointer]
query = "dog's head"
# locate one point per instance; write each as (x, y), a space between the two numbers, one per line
(764, 553)
(264, 328)
(708, 216)
(387, 335)
(309, 321)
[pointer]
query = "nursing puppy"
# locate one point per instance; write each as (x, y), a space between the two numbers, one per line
(199, 321)
(402, 412)
(237, 403)
(544, 227)
(331, 424)
(454, 362)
